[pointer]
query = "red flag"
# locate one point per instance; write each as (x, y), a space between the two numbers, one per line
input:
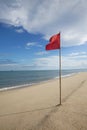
(54, 42)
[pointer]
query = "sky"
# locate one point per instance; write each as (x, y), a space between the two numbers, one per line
(27, 25)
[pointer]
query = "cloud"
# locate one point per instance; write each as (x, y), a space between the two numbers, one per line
(74, 63)
(6, 62)
(78, 54)
(42, 53)
(19, 30)
(71, 61)
(75, 60)
(68, 62)
(31, 44)
(48, 17)
(50, 62)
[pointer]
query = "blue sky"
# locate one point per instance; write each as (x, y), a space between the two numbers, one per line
(25, 29)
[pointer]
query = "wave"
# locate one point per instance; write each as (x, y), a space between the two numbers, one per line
(66, 75)
(15, 87)
(30, 84)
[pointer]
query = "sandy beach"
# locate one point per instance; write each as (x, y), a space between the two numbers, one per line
(37, 107)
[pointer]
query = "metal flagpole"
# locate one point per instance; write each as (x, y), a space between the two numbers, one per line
(60, 73)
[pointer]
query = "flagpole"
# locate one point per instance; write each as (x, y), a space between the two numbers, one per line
(55, 43)
(60, 74)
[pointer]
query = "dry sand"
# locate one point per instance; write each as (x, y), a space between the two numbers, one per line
(34, 108)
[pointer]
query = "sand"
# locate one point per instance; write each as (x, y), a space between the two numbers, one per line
(36, 107)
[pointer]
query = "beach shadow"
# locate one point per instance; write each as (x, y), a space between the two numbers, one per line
(29, 111)
(76, 89)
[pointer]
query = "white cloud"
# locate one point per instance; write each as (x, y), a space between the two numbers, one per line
(68, 62)
(74, 54)
(74, 63)
(48, 17)
(41, 53)
(50, 62)
(31, 44)
(75, 60)
(78, 54)
(19, 30)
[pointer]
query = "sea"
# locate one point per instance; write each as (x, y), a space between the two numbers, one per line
(17, 79)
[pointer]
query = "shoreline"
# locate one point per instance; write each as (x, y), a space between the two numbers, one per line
(33, 84)
(37, 107)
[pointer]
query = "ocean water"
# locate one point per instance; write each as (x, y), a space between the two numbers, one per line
(15, 79)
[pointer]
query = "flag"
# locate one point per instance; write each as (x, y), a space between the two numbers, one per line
(54, 42)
